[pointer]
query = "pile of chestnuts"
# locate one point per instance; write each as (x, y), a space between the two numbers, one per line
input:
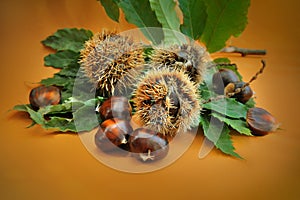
(226, 82)
(116, 132)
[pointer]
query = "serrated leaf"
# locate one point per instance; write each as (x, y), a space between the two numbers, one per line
(111, 9)
(167, 16)
(194, 17)
(218, 133)
(60, 124)
(140, 14)
(57, 80)
(62, 59)
(85, 118)
(228, 107)
(35, 116)
(68, 39)
(225, 18)
(237, 124)
(21, 107)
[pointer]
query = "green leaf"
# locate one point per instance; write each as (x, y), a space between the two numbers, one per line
(60, 124)
(167, 16)
(228, 107)
(57, 80)
(35, 116)
(85, 118)
(68, 39)
(225, 18)
(62, 59)
(222, 60)
(21, 107)
(237, 124)
(140, 14)
(218, 133)
(111, 9)
(194, 17)
(250, 103)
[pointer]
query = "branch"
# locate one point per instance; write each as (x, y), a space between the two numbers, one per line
(242, 51)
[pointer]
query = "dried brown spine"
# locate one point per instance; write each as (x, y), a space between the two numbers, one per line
(190, 58)
(109, 59)
(167, 102)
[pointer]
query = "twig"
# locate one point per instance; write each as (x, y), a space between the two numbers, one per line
(243, 51)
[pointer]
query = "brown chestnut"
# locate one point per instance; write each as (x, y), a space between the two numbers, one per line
(222, 78)
(260, 121)
(245, 94)
(116, 107)
(42, 96)
(149, 145)
(113, 133)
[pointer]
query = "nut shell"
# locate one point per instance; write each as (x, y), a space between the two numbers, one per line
(260, 121)
(116, 107)
(113, 133)
(149, 144)
(222, 78)
(42, 96)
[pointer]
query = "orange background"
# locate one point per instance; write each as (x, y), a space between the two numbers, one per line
(39, 164)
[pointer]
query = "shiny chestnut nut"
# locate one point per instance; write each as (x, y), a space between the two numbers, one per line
(260, 121)
(113, 133)
(245, 94)
(42, 96)
(222, 78)
(116, 107)
(148, 145)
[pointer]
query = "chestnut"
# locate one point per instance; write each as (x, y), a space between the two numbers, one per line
(245, 94)
(222, 78)
(42, 96)
(260, 121)
(116, 107)
(113, 133)
(149, 145)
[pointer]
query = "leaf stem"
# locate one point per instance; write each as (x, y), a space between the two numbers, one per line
(243, 51)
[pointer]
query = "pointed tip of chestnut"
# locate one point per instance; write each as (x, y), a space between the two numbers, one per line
(261, 122)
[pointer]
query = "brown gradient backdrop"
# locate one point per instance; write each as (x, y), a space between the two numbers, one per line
(37, 164)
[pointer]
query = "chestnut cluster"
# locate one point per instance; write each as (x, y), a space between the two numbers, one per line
(116, 132)
(260, 121)
(226, 82)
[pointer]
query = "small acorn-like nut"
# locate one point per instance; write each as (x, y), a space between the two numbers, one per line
(260, 121)
(222, 78)
(245, 94)
(116, 107)
(113, 133)
(149, 145)
(42, 96)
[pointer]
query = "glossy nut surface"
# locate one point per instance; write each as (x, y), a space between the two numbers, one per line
(148, 145)
(222, 78)
(113, 133)
(115, 107)
(260, 121)
(245, 94)
(42, 96)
